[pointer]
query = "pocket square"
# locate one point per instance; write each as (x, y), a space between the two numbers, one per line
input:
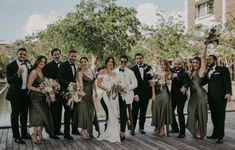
(217, 73)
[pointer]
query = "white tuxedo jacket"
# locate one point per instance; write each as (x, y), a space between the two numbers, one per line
(129, 80)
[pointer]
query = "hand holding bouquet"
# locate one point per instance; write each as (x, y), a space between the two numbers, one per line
(156, 76)
(49, 88)
(74, 94)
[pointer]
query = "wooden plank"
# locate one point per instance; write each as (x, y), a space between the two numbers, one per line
(9, 139)
(137, 142)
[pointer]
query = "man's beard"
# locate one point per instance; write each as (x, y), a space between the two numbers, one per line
(211, 65)
(177, 69)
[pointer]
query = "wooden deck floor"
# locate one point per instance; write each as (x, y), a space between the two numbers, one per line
(149, 141)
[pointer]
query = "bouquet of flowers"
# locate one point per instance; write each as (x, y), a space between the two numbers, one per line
(212, 36)
(156, 76)
(50, 87)
(118, 87)
(74, 94)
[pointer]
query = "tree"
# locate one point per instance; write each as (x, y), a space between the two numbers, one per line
(4, 60)
(96, 27)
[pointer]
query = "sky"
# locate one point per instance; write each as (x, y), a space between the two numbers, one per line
(19, 18)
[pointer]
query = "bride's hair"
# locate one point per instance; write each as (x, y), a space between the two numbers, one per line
(107, 60)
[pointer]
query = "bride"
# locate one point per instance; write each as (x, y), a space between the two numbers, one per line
(105, 81)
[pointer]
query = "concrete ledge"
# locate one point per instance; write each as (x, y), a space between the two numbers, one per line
(4, 88)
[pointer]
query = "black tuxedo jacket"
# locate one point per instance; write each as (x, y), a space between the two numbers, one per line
(143, 89)
(219, 83)
(182, 79)
(65, 75)
(13, 80)
(51, 70)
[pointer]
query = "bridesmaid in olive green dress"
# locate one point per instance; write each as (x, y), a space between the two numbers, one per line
(39, 112)
(197, 105)
(85, 113)
(161, 102)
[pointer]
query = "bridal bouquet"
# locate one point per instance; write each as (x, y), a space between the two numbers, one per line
(118, 87)
(50, 87)
(74, 94)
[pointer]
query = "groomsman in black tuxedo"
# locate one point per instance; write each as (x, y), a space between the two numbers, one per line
(17, 76)
(142, 92)
(51, 71)
(180, 84)
(219, 92)
(66, 75)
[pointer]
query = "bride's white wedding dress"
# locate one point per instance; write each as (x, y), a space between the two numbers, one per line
(112, 131)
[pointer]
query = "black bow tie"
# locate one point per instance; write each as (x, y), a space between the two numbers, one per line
(209, 69)
(121, 70)
(23, 63)
(141, 66)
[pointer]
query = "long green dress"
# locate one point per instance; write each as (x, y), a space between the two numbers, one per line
(39, 111)
(161, 108)
(85, 113)
(197, 107)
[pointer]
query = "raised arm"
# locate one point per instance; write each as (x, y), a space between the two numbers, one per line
(203, 61)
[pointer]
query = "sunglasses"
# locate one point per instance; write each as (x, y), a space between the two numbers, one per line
(123, 61)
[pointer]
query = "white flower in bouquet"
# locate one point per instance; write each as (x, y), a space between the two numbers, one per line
(119, 87)
(156, 75)
(74, 94)
(50, 87)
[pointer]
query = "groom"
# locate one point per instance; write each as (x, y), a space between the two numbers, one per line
(127, 77)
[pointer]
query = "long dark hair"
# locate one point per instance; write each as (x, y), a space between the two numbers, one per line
(37, 61)
(107, 60)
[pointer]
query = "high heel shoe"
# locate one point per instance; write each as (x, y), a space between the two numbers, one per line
(39, 135)
(198, 134)
(35, 139)
(155, 131)
(84, 135)
(161, 132)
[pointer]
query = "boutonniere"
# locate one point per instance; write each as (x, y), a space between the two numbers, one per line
(145, 67)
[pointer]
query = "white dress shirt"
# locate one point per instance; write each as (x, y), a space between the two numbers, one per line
(141, 69)
(211, 71)
(24, 74)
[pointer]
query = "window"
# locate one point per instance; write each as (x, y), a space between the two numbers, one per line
(204, 9)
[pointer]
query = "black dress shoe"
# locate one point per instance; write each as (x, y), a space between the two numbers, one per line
(181, 135)
(59, 133)
(220, 140)
(173, 131)
(19, 141)
(141, 131)
(211, 137)
(98, 135)
(54, 137)
(123, 138)
(26, 136)
(132, 133)
(69, 137)
(75, 132)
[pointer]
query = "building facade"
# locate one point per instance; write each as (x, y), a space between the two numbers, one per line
(208, 12)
